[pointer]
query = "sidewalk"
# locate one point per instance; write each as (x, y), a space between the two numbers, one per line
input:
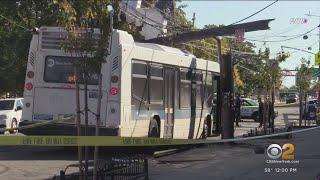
(245, 126)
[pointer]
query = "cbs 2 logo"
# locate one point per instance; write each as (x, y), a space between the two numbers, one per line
(275, 151)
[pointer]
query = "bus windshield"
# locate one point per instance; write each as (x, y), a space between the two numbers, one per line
(6, 104)
(59, 69)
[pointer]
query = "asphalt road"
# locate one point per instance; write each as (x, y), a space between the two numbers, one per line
(210, 162)
(233, 162)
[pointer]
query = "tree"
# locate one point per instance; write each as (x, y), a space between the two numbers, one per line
(18, 19)
(79, 19)
(303, 77)
(303, 82)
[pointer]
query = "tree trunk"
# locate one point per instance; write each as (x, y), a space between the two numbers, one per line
(272, 107)
(78, 120)
(305, 108)
(86, 150)
(96, 150)
(265, 111)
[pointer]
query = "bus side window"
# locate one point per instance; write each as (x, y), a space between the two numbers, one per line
(185, 89)
(215, 87)
(199, 88)
(156, 84)
(139, 87)
(209, 91)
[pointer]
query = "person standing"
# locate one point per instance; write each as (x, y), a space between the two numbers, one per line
(260, 112)
(238, 109)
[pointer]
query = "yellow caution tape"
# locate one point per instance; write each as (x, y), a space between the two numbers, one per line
(89, 141)
(120, 141)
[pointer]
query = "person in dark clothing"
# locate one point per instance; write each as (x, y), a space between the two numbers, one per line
(260, 112)
(237, 109)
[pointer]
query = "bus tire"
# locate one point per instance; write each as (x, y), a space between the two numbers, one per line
(14, 124)
(154, 128)
(207, 123)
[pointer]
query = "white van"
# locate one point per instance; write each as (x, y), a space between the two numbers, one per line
(10, 112)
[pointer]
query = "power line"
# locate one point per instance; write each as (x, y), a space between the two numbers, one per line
(288, 39)
(141, 19)
(254, 13)
(140, 15)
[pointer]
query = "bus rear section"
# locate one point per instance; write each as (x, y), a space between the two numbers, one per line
(50, 88)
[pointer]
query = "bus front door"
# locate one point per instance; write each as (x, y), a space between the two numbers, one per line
(169, 103)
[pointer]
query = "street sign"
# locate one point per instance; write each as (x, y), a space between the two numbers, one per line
(239, 34)
(317, 59)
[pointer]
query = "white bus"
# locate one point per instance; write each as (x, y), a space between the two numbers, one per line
(149, 90)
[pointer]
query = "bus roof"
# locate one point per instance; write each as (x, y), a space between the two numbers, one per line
(163, 48)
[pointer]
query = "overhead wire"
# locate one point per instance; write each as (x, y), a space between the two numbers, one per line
(282, 40)
(198, 47)
(141, 19)
(254, 13)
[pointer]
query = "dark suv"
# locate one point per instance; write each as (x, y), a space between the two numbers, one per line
(292, 98)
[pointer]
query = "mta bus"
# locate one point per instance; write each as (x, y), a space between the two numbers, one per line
(148, 90)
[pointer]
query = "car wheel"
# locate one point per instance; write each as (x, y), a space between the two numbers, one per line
(14, 124)
(154, 128)
(255, 117)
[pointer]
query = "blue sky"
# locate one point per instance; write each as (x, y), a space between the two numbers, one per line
(227, 12)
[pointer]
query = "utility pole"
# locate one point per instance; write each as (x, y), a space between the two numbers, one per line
(227, 97)
(211, 32)
(193, 19)
(219, 101)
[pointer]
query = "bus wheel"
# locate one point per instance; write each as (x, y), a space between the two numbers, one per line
(205, 129)
(14, 124)
(154, 128)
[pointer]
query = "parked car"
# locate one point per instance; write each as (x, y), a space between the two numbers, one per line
(10, 112)
(292, 98)
(250, 109)
(311, 109)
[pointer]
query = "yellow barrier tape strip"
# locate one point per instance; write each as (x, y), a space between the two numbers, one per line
(89, 141)
(120, 141)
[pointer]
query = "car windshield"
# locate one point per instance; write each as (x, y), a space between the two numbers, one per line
(252, 102)
(6, 104)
